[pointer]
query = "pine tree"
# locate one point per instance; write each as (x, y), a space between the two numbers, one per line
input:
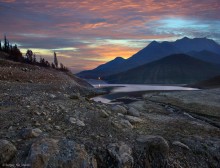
(5, 44)
(55, 60)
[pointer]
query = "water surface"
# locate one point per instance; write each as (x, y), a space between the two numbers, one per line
(125, 91)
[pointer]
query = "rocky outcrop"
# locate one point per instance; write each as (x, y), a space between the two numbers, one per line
(7, 151)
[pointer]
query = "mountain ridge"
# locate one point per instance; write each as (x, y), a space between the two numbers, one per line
(152, 52)
(173, 69)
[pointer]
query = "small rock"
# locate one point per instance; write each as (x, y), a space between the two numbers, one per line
(180, 144)
(52, 96)
(122, 124)
(48, 128)
(10, 128)
(103, 114)
(57, 127)
(126, 123)
(119, 109)
(30, 133)
(76, 121)
(37, 113)
(133, 120)
(7, 151)
(72, 120)
(132, 111)
(37, 124)
(74, 96)
(80, 123)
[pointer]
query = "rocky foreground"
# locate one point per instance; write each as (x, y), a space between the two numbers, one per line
(48, 120)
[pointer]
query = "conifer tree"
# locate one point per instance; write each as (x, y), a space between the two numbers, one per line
(55, 60)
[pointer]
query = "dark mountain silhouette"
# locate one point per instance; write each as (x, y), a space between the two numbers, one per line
(102, 70)
(208, 84)
(155, 51)
(197, 44)
(173, 69)
(206, 55)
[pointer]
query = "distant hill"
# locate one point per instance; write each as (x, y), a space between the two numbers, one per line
(155, 51)
(208, 84)
(173, 69)
(206, 55)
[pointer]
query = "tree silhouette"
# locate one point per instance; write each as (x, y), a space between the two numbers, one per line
(6, 44)
(29, 55)
(15, 54)
(55, 60)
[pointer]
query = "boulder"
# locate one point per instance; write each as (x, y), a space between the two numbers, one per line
(41, 151)
(30, 133)
(132, 111)
(119, 109)
(54, 153)
(154, 150)
(7, 151)
(120, 154)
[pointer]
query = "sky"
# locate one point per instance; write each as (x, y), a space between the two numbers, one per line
(87, 33)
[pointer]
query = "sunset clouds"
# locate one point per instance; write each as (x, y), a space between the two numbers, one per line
(88, 33)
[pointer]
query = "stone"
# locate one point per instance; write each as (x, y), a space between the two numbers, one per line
(57, 127)
(52, 96)
(132, 111)
(120, 154)
(119, 109)
(78, 122)
(104, 114)
(72, 120)
(133, 120)
(122, 124)
(180, 144)
(7, 151)
(30, 133)
(154, 150)
(126, 123)
(74, 96)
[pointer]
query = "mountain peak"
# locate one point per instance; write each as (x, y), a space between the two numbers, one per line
(118, 58)
(153, 43)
